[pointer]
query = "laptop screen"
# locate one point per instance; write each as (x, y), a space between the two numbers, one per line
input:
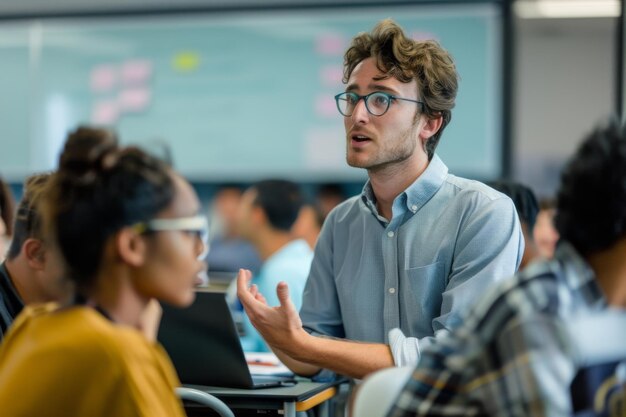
(203, 344)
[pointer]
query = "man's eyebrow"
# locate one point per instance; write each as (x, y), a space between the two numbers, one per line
(381, 87)
(373, 87)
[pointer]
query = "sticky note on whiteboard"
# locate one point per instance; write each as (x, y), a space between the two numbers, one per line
(103, 78)
(134, 99)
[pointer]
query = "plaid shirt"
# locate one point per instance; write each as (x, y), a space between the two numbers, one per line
(512, 356)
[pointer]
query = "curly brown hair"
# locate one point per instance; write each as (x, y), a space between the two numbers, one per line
(28, 219)
(426, 62)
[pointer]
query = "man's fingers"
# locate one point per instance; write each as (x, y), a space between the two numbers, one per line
(243, 279)
(282, 291)
(260, 298)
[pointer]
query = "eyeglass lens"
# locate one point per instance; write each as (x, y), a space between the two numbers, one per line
(376, 103)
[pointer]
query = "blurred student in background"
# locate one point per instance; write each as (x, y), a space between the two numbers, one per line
(267, 214)
(7, 210)
(33, 271)
(229, 251)
(313, 213)
(550, 341)
(329, 196)
(309, 223)
(129, 231)
(544, 232)
(527, 209)
(5, 239)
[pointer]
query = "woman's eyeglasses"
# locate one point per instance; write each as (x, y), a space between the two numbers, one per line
(197, 225)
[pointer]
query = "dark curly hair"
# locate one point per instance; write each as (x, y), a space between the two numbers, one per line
(99, 189)
(591, 202)
(426, 62)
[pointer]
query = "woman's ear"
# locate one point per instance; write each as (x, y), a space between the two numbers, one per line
(131, 247)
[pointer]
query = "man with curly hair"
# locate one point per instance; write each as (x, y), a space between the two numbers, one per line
(32, 272)
(394, 266)
(551, 341)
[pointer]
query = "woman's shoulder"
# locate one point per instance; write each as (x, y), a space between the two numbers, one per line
(80, 330)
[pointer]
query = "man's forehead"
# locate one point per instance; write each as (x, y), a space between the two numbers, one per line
(368, 67)
(367, 75)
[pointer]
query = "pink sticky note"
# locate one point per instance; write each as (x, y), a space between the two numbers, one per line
(325, 106)
(422, 36)
(331, 76)
(134, 99)
(103, 78)
(105, 112)
(330, 44)
(136, 71)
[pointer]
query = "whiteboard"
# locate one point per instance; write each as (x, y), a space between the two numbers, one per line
(236, 96)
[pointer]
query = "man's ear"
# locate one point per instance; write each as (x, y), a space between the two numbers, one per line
(258, 215)
(34, 252)
(131, 247)
(430, 127)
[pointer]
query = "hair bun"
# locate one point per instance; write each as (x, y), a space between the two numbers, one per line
(88, 151)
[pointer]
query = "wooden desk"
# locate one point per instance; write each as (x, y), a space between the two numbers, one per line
(300, 397)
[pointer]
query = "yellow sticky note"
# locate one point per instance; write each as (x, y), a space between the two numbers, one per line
(186, 61)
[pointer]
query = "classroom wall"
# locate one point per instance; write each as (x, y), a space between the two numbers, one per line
(565, 84)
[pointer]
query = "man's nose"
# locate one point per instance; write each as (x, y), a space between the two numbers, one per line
(360, 113)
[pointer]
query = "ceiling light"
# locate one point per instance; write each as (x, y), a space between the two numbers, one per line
(545, 9)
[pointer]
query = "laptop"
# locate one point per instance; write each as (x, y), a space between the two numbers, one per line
(203, 344)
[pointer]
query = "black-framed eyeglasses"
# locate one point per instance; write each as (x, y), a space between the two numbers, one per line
(197, 225)
(376, 103)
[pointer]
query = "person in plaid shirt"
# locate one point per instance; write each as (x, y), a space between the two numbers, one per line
(516, 353)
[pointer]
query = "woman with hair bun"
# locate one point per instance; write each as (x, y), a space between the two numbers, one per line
(127, 227)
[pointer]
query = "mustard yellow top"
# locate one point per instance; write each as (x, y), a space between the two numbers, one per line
(74, 362)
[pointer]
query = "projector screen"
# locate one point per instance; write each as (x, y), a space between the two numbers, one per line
(235, 96)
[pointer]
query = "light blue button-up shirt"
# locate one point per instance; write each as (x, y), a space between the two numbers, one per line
(404, 281)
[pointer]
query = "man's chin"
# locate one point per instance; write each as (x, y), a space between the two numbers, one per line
(356, 162)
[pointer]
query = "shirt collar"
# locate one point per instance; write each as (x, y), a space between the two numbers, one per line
(418, 193)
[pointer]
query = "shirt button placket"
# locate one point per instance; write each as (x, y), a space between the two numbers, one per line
(391, 234)
(391, 306)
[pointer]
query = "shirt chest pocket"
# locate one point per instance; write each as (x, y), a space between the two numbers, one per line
(425, 285)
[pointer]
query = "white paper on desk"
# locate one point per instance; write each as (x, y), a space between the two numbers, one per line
(266, 363)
